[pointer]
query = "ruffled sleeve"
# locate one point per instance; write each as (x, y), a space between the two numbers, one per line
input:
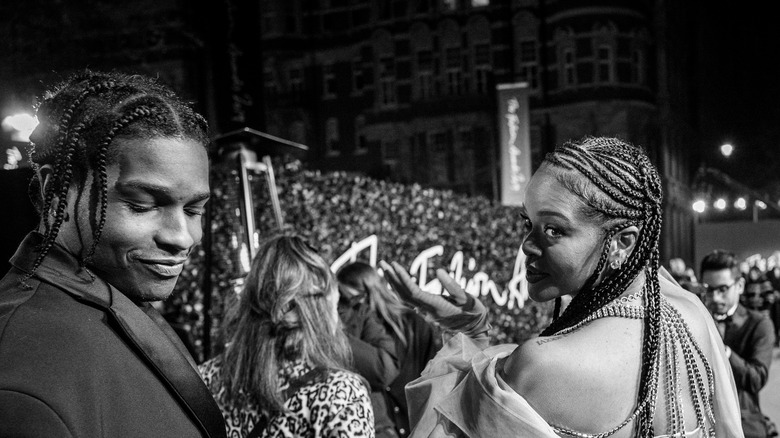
(460, 394)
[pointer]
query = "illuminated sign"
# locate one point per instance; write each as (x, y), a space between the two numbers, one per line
(478, 284)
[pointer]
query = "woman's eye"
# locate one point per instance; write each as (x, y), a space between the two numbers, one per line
(552, 232)
(195, 211)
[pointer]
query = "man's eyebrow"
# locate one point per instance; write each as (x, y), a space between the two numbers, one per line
(156, 190)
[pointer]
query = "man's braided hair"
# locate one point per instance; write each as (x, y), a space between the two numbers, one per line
(620, 187)
(79, 120)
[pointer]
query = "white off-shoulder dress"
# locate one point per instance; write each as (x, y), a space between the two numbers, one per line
(460, 394)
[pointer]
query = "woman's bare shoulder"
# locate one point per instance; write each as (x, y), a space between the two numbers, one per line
(585, 378)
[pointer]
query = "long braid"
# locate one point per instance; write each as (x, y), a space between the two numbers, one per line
(62, 177)
(102, 176)
(626, 190)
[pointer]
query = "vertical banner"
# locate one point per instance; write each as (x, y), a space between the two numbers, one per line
(515, 147)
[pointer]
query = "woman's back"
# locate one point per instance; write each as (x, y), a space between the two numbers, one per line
(605, 356)
(330, 406)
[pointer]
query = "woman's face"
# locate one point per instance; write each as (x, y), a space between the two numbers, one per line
(561, 245)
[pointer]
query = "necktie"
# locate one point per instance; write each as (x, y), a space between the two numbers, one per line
(722, 325)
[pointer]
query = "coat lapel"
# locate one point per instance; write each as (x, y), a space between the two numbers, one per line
(146, 329)
(174, 366)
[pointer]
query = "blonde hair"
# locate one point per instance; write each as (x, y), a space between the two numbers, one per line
(281, 314)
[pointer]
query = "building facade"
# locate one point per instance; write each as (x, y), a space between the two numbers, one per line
(406, 89)
(399, 89)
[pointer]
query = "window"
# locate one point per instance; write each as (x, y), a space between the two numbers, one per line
(358, 82)
(453, 74)
(569, 76)
(387, 92)
(332, 146)
(270, 83)
(604, 64)
(529, 63)
(452, 57)
(295, 79)
(482, 67)
(637, 67)
(425, 60)
(328, 81)
(425, 85)
(424, 79)
(361, 143)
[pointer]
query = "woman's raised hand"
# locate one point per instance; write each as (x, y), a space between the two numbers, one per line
(459, 312)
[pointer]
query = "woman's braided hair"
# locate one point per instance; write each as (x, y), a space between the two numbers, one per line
(620, 187)
(79, 120)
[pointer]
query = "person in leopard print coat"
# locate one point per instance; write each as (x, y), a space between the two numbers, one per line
(285, 368)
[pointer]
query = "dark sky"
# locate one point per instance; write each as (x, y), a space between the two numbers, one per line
(740, 89)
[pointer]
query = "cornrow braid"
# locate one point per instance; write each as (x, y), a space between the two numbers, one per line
(625, 191)
(102, 176)
(62, 176)
(79, 120)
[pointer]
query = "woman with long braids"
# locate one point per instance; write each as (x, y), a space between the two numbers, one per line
(121, 184)
(631, 355)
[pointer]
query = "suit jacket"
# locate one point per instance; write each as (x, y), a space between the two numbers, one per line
(750, 335)
(79, 359)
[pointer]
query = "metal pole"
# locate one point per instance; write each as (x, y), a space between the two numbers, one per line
(271, 180)
(249, 211)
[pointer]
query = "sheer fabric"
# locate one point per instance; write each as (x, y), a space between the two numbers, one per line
(460, 394)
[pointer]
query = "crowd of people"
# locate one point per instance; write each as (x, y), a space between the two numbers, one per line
(743, 299)
(761, 290)
(121, 184)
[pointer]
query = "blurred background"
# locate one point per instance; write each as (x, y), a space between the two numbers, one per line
(405, 90)
(441, 106)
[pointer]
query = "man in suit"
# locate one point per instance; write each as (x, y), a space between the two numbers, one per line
(747, 334)
(122, 181)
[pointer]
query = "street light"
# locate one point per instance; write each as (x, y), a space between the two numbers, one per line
(740, 204)
(20, 126)
(699, 206)
(726, 149)
(720, 204)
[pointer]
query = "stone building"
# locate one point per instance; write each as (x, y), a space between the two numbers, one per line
(406, 89)
(399, 89)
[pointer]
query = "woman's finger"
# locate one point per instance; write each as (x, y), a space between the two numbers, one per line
(458, 294)
(402, 286)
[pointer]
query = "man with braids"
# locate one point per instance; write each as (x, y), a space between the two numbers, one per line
(121, 184)
(631, 355)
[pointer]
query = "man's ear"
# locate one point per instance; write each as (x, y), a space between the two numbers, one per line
(44, 174)
(739, 285)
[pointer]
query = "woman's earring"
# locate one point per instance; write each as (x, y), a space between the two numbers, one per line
(615, 264)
